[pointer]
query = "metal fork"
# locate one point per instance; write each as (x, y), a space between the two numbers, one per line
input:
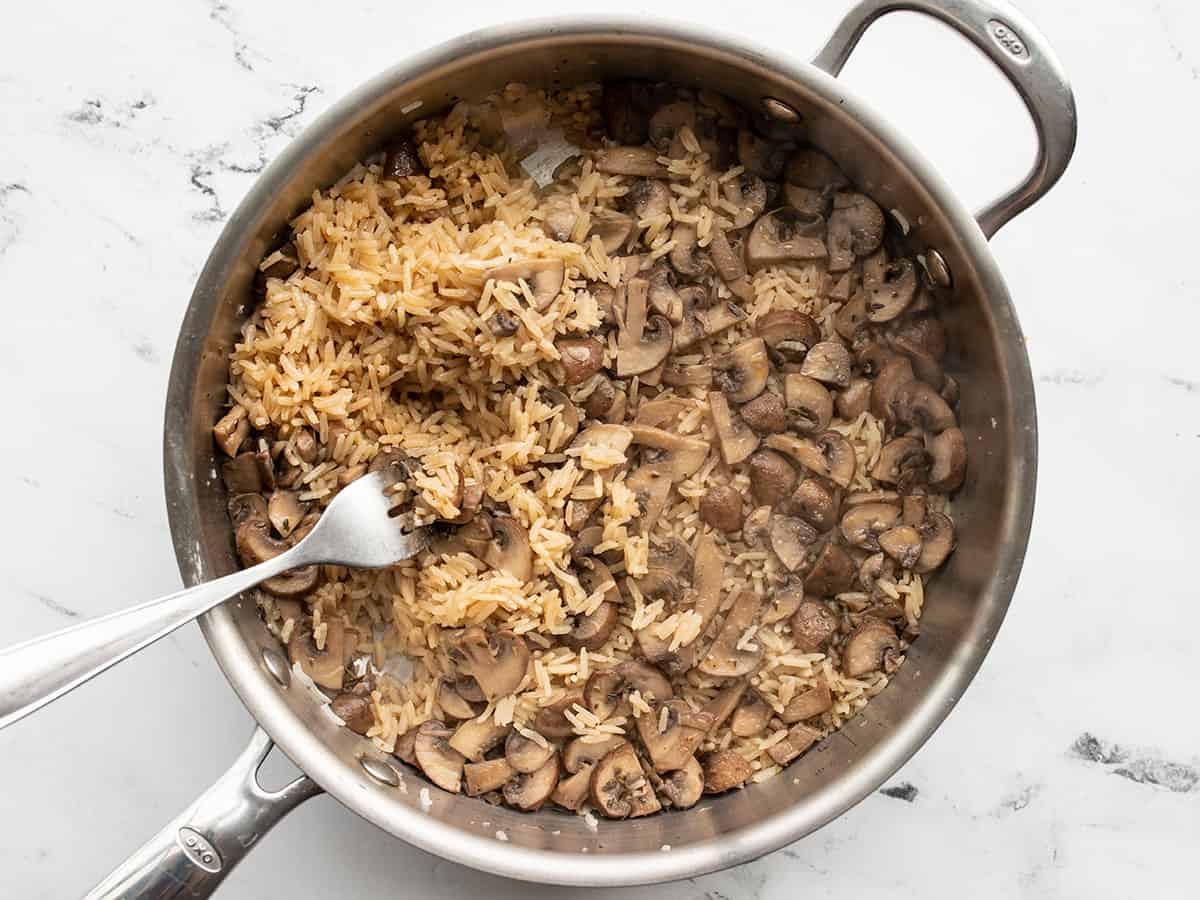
(356, 530)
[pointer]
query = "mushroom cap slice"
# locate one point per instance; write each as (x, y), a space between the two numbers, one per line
(724, 770)
(405, 749)
(231, 430)
(937, 535)
(855, 229)
(816, 502)
(581, 358)
(799, 738)
(751, 716)
(737, 442)
(529, 791)
(891, 376)
(683, 456)
(592, 630)
(584, 752)
(918, 405)
(285, 511)
(255, 545)
(785, 235)
(903, 544)
(867, 647)
(612, 227)
(772, 477)
(697, 375)
(722, 706)
(887, 297)
(828, 362)
(813, 625)
(832, 572)
(671, 733)
(862, 525)
(473, 739)
(684, 786)
(852, 317)
(686, 256)
(813, 702)
(810, 168)
(453, 704)
(808, 402)
(762, 156)
(949, 453)
(497, 662)
(731, 655)
(829, 454)
(788, 333)
(544, 278)
(729, 264)
(642, 161)
(551, 721)
(619, 787)
(790, 539)
(441, 763)
(766, 413)
(742, 372)
(749, 193)
(509, 549)
(525, 754)
(325, 666)
(487, 775)
(698, 324)
(653, 490)
(784, 603)
(572, 791)
(674, 557)
(604, 693)
(897, 457)
(648, 197)
(707, 577)
(721, 507)
(645, 342)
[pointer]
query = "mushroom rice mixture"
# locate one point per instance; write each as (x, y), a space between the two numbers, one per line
(681, 414)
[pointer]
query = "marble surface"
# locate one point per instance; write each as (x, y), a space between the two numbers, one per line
(131, 130)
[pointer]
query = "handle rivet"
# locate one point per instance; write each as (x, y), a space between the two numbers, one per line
(277, 666)
(936, 268)
(380, 771)
(780, 111)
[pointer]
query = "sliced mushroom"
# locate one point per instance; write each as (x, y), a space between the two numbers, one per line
(231, 430)
(441, 763)
(948, 451)
(790, 539)
(619, 788)
(497, 662)
(696, 375)
(762, 157)
(698, 324)
(749, 193)
(809, 403)
(903, 544)
(671, 732)
(852, 317)
(641, 161)
(684, 786)
(402, 159)
(854, 399)
(488, 775)
(525, 754)
(682, 456)
(552, 721)
(529, 791)
(729, 265)
(828, 362)
(606, 690)
(573, 790)
(736, 441)
(285, 511)
(772, 477)
(453, 704)
(751, 716)
(405, 749)
(722, 706)
(559, 218)
(784, 603)
(810, 168)
(862, 525)
(917, 405)
(788, 334)
(673, 557)
(855, 229)
(648, 197)
(686, 256)
(816, 503)
(858, 498)
(509, 549)
(813, 626)
(832, 572)
(724, 770)
(568, 415)
(255, 545)
(813, 702)
(584, 752)
(581, 358)
(898, 458)
(731, 655)
(242, 475)
(244, 507)
(592, 630)
(783, 236)
(811, 201)
(799, 738)
(765, 414)
(924, 333)
(868, 648)
(708, 576)
(892, 375)
(613, 229)
(937, 540)
(890, 295)
(653, 490)
(668, 119)
(474, 739)
(829, 454)
(326, 665)
(544, 278)
(721, 507)
(742, 372)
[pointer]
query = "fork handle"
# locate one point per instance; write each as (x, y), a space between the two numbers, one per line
(40, 670)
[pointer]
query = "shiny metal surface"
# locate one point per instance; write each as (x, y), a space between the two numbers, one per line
(965, 603)
(355, 530)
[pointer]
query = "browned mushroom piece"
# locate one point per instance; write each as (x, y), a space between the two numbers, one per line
(708, 576)
(869, 648)
(892, 375)
(242, 474)
(742, 372)
(751, 716)
(402, 159)
(667, 120)
(528, 791)
(760, 156)
(640, 161)
(809, 403)
(405, 749)
(652, 487)
(917, 405)
(581, 358)
(659, 584)
(486, 775)
(498, 662)
(748, 193)
(684, 786)
(242, 507)
(817, 503)
(828, 362)
(474, 739)
(543, 277)
(728, 263)
(925, 333)
(772, 477)
(552, 720)
(736, 441)
(721, 507)
(285, 511)
(832, 572)
(567, 415)
(612, 228)
(812, 702)
(559, 218)
(441, 763)
(783, 603)
(509, 549)
(526, 754)
(852, 317)
(937, 536)
(696, 375)
(645, 340)
(855, 229)
(892, 292)
(619, 788)
(724, 770)
(756, 527)
(858, 498)
(671, 732)
(766, 413)
(828, 454)
(783, 236)
(674, 557)
(605, 691)
(874, 567)
(898, 456)
(678, 456)
(722, 706)
(686, 256)
(354, 708)
(853, 400)
(305, 445)
(799, 738)
(948, 452)
(862, 525)
(648, 197)
(698, 324)
(734, 653)
(590, 631)
(231, 430)
(572, 791)
(255, 545)
(584, 752)
(813, 626)
(903, 544)
(810, 168)
(453, 704)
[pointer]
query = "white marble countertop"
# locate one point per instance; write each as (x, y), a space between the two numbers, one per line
(131, 130)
